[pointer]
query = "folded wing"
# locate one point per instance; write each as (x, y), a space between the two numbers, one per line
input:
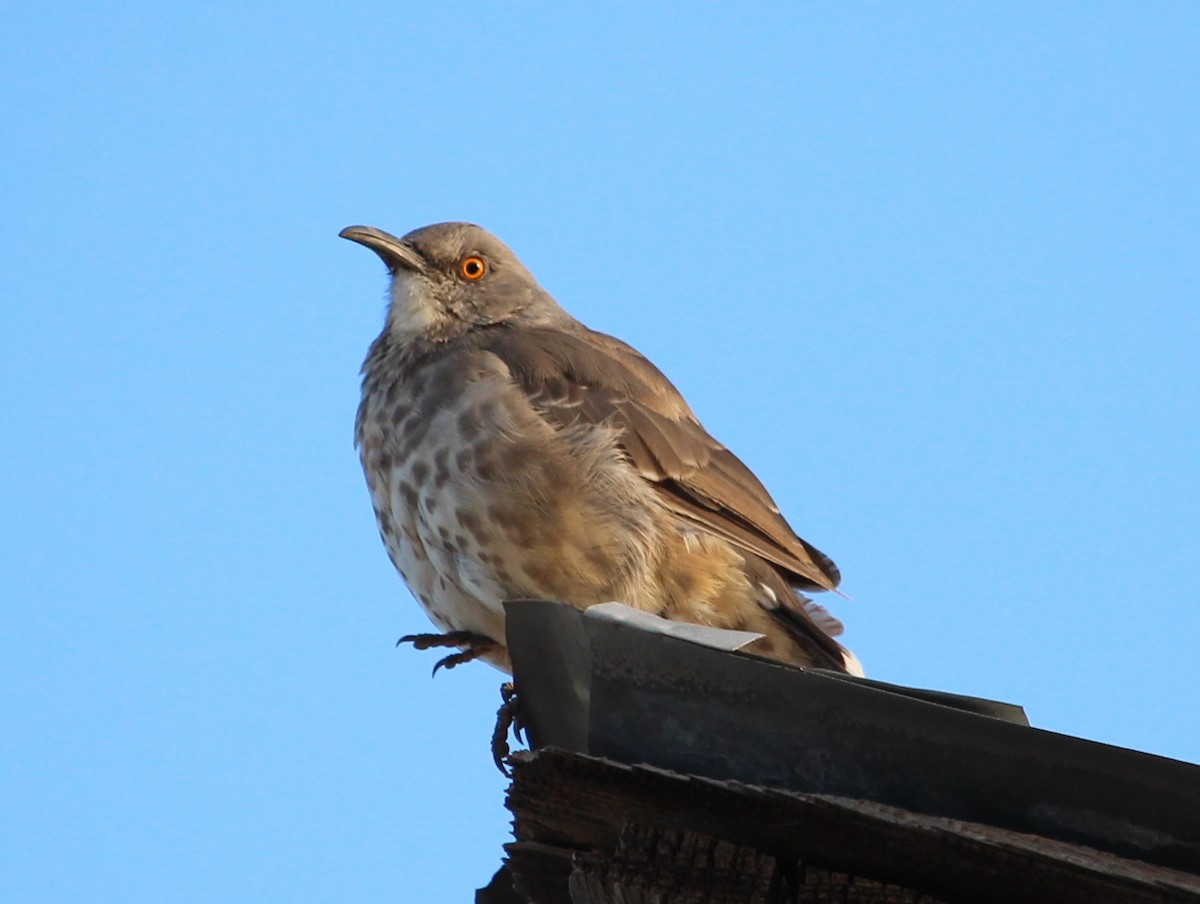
(589, 377)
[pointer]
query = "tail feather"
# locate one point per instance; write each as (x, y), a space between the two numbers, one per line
(810, 625)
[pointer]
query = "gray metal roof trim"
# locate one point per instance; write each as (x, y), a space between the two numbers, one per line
(609, 685)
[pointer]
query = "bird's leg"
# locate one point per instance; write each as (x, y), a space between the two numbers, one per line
(507, 716)
(473, 646)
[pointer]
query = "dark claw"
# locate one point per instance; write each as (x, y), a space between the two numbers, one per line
(508, 716)
(505, 718)
(449, 639)
(454, 659)
(473, 646)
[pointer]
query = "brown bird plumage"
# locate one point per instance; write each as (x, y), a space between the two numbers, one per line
(513, 453)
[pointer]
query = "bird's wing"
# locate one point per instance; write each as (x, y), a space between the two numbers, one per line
(585, 376)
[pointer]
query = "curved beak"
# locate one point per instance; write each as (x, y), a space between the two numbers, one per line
(391, 250)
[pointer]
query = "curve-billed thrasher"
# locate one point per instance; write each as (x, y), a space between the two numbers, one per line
(513, 453)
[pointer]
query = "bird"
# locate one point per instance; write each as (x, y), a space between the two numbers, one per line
(513, 453)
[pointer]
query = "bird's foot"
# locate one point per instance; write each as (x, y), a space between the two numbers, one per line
(507, 716)
(473, 646)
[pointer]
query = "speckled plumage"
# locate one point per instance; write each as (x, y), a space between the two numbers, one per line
(513, 453)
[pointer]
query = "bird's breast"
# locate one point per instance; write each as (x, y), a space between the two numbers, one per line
(480, 499)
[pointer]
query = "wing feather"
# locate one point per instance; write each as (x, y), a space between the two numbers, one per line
(585, 376)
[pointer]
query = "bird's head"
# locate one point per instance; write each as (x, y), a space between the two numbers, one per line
(450, 278)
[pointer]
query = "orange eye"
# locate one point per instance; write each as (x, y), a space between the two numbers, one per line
(473, 267)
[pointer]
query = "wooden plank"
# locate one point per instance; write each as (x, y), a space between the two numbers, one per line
(580, 806)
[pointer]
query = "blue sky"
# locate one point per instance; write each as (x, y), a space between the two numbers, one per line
(930, 269)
